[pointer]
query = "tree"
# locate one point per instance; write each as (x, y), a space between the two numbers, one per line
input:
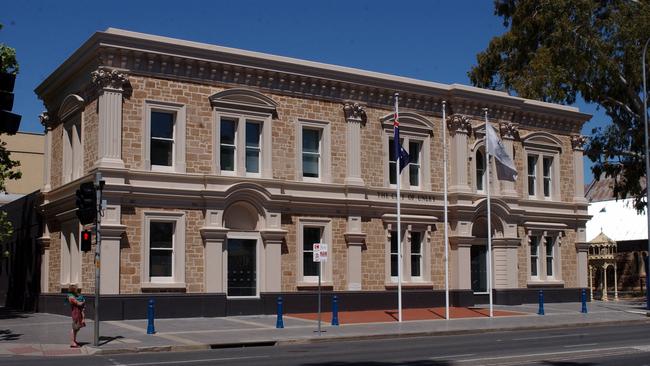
(558, 50)
(8, 167)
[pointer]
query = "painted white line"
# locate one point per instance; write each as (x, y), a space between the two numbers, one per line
(550, 337)
(126, 326)
(593, 350)
(451, 356)
(642, 348)
(174, 338)
(161, 335)
(248, 322)
(580, 345)
(194, 361)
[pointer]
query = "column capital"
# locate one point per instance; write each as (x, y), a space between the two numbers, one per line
(112, 231)
(578, 142)
(46, 120)
(213, 233)
(354, 112)
(273, 236)
(509, 131)
(459, 123)
(109, 79)
(355, 238)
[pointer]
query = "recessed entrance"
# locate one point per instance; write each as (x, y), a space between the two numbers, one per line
(242, 267)
(479, 268)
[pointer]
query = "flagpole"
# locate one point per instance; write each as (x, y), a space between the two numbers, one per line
(399, 224)
(489, 216)
(444, 174)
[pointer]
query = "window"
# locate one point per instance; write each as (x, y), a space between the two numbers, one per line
(253, 151)
(162, 139)
(165, 137)
(228, 144)
(532, 174)
(416, 254)
(161, 248)
(311, 236)
(313, 152)
(549, 255)
(545, 256)
(394, 258)
(547, 163)
(534, 256)
(164, 250)
(312, 230)
(414, 166)
(480, 171)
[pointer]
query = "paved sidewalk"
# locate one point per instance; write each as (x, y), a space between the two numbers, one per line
(48, 334)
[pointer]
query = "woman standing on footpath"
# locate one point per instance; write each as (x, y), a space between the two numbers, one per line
(76, 307)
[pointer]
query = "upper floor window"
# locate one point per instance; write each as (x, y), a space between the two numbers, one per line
(165, 136)
(542, 152)
(314, 161)
(480, 171)
(242, 132)
(415, 138)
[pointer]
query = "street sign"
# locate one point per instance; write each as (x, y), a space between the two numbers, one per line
(320, 252)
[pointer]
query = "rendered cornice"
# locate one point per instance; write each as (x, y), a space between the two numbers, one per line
(150, 55)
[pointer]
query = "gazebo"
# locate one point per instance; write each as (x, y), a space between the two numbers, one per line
(602, 256)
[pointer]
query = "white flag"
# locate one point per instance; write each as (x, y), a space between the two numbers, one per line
(506, 169)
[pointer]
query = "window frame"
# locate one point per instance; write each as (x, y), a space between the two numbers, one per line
(543, 237)
(425, 255)
(480, 150)
(324, 146)
(242, 118)
(177, 279)
(235, 121)
(548, 178)
(257, 148)
(546, 147)
(325, 224)
(406, 137)
(179, 135)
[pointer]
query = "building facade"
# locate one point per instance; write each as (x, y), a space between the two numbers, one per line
(27, 148)
(224, 166)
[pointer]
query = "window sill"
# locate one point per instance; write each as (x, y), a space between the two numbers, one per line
(545, 283)
(410, 284)
(314, 285)
(164, 286)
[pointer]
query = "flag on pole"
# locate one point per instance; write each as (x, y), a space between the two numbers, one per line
(506, 169)
(402, 156)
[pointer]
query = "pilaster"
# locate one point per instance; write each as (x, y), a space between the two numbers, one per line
(47, 166)
(459, 127)
(44, 246)
(110, 85)
(509, 133)
(273, 240)
(355, 240)
(111, 231)
(213, 241)
(355, 116)
(577, 144)
(461, 262)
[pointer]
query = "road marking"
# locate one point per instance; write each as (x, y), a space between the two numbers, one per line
(161, 335)
(549, 337)
(642, 348)
(193, 361)
(248, 322)
(580, 345)
(594, 350)
(126, 326)
(452, 356)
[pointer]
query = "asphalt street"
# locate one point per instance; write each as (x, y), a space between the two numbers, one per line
(608, 345)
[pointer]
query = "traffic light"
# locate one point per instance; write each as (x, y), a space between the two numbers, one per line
(86, 203)
(86, 240)
(9, 122)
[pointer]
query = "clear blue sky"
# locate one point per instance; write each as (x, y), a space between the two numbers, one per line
(428, 40)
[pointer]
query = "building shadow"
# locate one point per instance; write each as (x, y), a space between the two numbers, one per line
(8, 335)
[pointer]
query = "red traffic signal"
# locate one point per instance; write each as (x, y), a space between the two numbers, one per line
(86, 240)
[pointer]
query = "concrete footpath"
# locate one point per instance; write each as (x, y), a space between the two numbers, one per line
(38, 334)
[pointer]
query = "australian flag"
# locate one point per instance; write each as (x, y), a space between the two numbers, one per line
(400, 153)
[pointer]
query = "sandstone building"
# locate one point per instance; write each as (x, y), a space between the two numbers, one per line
(223, 166)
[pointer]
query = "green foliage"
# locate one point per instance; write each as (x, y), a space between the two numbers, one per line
(8, 62)
(557, 50)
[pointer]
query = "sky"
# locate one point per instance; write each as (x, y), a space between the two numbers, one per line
(429, 40)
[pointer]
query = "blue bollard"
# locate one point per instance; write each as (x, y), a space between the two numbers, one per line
(150, 316)
(335, 310)
(584, 301)
(541, 303)
(279, 323)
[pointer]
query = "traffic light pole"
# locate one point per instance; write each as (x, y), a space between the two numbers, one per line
(99, 185)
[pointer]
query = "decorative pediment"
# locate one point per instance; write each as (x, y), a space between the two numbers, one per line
(542, 140)
(70, 105)
(409, 121)
(244, 100)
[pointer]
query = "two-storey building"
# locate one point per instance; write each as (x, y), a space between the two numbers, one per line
(224, 166)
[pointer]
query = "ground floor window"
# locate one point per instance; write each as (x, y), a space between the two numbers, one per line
(163, 249)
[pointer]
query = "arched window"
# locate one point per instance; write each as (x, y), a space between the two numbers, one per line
(480, 171)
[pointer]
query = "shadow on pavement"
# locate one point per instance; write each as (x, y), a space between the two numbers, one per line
(366, 363)
(563, 363)
(6, 313)
(103, 340)
(8, 335)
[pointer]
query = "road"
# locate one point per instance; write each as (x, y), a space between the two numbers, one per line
(610, 345)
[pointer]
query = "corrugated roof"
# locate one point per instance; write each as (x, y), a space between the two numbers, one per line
(602, 190)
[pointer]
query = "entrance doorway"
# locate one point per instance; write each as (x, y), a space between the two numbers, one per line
(479, 268)
(242, 267)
